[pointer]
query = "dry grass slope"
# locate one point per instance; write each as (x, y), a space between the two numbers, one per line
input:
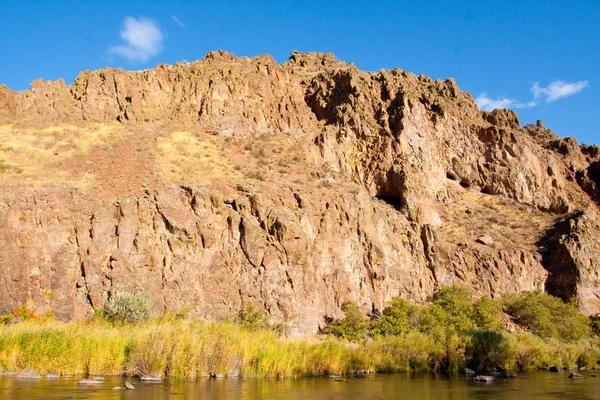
(472, 214)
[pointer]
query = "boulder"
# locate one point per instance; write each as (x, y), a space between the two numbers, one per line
(28, 374)
(89, 382)
(485, 239)
(503, 374)
(150, 378)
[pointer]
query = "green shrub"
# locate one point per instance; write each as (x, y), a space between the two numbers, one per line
(595, 324)
(455, 302)
(487, 349)
(532, 351)
(547, 316)
(487, 313)
(452, 311)
(413, 351)
(353, 327)
(396, 319)
(128, 307)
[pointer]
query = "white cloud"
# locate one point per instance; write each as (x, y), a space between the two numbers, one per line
(557, 90)
(142, 39)
(554, 91)
(177, 21)
(486, 103)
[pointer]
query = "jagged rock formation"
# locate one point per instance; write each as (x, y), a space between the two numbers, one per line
(401, 175)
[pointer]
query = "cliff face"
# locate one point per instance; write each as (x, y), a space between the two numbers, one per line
(294, 187)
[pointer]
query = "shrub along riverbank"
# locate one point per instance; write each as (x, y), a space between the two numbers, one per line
(448, 335)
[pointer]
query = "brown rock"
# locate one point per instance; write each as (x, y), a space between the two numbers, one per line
(28, 374)
(361, 208)
(485, 239)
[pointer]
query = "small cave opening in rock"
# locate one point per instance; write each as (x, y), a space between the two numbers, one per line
(391, 200)
(451, 175)
(486, 190)
(465, 184)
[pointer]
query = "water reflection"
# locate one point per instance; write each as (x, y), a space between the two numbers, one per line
(535, 385)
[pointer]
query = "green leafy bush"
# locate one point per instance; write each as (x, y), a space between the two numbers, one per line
(452, 311)
(456, 307)
(396, 319)
(487, 349)
(487, 313)
(128, 307)
(547, 316)
(353, 326)
(595, 324)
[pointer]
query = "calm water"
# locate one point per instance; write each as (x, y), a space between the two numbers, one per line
(535, 385)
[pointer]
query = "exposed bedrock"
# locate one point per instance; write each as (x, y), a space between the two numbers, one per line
(297, 251)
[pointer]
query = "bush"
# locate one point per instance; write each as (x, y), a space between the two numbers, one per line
(487, 313)
(353, 327)
(548, 316)
(455, 302)
(595, 324)
(250, 319)
(532, 351)
(396, 319)
(23, 313)
(128, 307)
(414, 351)
(488, 349)
(451, 311)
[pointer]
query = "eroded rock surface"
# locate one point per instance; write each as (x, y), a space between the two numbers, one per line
(390, 158)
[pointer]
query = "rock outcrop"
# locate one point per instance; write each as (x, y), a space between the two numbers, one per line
(390, 158)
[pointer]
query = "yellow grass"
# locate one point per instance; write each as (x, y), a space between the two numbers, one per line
(188, 348)
(186, 157)
(38, 153)
(173, 348)
(509, 223)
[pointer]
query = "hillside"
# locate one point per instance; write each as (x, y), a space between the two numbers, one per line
(293, 187)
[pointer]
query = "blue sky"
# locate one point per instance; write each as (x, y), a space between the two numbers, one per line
(541, 58)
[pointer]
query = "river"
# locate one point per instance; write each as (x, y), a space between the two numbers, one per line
(531, 385)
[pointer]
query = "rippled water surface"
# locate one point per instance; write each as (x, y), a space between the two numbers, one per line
(535, 385)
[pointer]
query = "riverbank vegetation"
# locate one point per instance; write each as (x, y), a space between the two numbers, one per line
(525, 331)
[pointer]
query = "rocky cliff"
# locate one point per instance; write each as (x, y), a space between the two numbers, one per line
(293, 187)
